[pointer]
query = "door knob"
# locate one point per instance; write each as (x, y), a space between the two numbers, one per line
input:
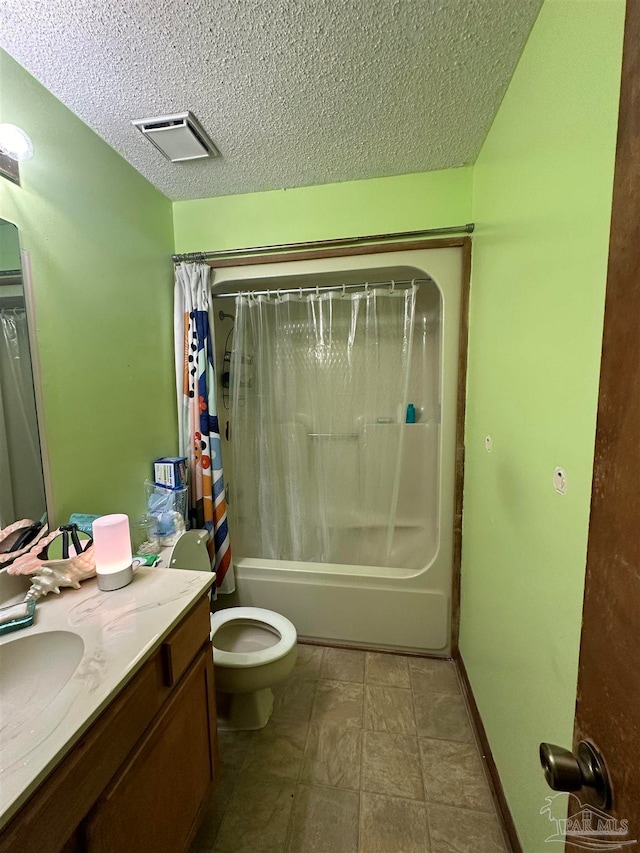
(566, 772)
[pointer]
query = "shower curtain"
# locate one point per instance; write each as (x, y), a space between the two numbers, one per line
(199, 433)
(22, 487)
(319, 396)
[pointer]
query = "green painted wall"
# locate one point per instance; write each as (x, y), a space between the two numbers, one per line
(100, 238)
(381, 205)
(542, 199)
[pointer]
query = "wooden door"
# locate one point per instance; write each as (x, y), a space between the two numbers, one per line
(608, 703)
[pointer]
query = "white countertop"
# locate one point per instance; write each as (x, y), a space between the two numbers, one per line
(120, 630)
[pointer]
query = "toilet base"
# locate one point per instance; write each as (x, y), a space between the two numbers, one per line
(244, 712)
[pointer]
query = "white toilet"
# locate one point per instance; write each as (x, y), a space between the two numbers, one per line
(253, 649)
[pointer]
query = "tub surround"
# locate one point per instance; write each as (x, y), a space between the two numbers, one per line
(120, 630)
(388, 607)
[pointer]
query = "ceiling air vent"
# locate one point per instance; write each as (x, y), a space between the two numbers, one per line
(179, 137)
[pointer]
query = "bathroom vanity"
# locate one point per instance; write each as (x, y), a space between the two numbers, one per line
(107, 719)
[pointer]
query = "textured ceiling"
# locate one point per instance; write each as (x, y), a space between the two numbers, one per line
(293, 92)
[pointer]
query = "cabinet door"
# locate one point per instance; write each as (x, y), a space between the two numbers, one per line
(154, 801)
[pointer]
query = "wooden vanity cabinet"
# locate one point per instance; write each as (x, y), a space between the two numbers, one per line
(143, 774)
(154, 801)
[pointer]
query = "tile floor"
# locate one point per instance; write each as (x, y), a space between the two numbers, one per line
(364, 753)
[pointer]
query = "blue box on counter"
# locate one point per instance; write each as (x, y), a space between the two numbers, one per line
(170, 471)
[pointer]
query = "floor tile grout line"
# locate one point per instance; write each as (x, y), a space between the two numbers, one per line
(462, 808)
(415, 722)
(426, 817)
(413, 706)
(233, 790)
(358, 824)
(313, 784)
(287, 834)
(362, 735)
(397, 796)
(297, 781)
(439, 693)
(446, 740)
(304, 751)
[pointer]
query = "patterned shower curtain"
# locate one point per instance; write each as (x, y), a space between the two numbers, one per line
(199, 433)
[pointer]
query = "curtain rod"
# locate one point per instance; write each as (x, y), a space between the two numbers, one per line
(321, 244)
(323, 288)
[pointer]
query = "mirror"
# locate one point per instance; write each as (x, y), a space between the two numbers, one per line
(22, 492)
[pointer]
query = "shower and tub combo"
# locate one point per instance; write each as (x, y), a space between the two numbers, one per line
(337, 385)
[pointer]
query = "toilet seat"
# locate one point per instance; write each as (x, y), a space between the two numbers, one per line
(271, 620)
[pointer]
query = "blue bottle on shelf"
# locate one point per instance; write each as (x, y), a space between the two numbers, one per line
(411, 414)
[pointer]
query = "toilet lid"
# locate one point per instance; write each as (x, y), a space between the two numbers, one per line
(285, 628)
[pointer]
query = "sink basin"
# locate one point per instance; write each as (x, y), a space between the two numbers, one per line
(33, 670)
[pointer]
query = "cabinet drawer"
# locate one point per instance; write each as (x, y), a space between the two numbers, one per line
(181, 647)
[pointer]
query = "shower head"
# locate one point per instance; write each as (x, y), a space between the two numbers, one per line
(224, 316)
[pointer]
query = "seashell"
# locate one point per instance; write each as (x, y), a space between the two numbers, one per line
(49, 575)
(55, 574)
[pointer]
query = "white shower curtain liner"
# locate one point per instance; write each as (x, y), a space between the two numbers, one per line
(319, 398)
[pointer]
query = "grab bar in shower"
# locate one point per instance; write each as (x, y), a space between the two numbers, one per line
(349, 436)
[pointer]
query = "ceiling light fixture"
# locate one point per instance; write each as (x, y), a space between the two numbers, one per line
(15, 143)
(179, 137)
